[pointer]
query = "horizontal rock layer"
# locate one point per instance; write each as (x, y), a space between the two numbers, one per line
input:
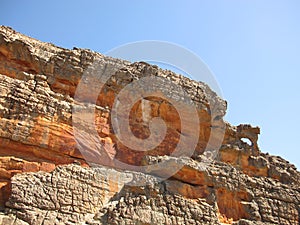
(47, 144)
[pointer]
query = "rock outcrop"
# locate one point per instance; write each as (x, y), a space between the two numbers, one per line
(53, 172)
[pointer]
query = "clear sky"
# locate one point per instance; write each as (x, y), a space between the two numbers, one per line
(252, 47)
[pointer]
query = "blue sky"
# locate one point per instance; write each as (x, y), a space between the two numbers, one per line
(252, 47)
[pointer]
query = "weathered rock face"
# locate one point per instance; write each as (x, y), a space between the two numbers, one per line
(45, 176)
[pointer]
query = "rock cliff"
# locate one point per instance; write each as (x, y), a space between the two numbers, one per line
(53, 172)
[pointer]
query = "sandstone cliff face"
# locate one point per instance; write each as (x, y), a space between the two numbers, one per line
(45, 173)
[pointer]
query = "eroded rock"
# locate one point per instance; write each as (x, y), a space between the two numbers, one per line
(45, 176)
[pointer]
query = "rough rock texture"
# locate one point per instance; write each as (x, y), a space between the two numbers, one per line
(45, 179)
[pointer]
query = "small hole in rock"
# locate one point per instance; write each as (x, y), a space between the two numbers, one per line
(246, 140)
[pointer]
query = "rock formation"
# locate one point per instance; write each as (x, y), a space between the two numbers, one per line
(48, 176)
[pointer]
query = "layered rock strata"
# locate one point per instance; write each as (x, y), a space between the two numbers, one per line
(45, 169)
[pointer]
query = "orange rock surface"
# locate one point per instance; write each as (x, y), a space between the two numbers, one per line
(38, 122)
